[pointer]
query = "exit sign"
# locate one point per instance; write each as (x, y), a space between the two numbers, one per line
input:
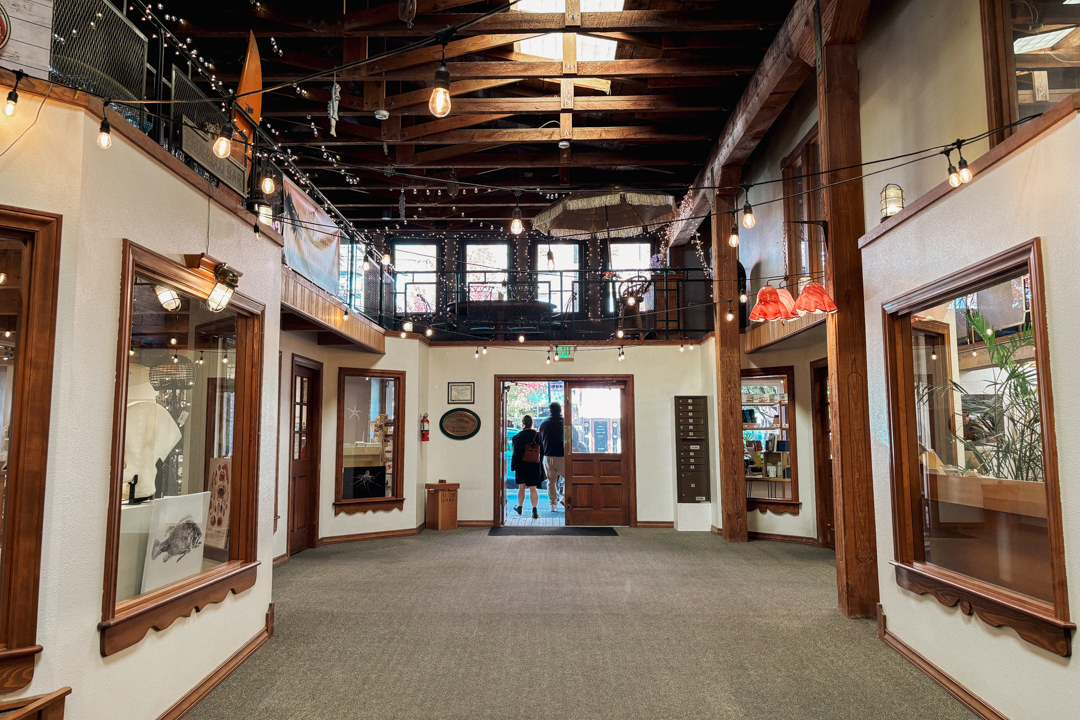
(564, 352)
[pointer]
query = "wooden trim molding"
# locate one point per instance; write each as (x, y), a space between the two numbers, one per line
(775, 537)
(337, 539)
(37, 707)
(999, 67)
(475, 523)
(281, 559)
(969, 699)
(27, 462)
(776, 507)
(194, 696)
(125, 623)
(1043, 623)
(654, 524)
(397, 501)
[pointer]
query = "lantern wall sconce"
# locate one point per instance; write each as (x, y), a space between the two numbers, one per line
(892, 201)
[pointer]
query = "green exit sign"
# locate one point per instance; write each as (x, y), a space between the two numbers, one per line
(564, 352)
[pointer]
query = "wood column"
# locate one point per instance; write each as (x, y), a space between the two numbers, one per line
(853, 486)
(728, 365)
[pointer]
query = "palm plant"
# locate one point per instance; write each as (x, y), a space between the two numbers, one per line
(1004, 431)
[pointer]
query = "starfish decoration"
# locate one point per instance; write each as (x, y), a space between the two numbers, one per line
(353, 413)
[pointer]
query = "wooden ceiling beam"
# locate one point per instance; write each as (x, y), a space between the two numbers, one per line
(527, 160)
(430, 156)
(505, 136)
(553, 104)
(460, 87)
(454, 49)
(648, 67)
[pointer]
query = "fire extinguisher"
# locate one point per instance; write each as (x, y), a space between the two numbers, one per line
(425, 429)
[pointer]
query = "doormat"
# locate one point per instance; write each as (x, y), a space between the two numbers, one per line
(589, 531)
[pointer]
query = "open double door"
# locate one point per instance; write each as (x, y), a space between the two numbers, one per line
(598, 442)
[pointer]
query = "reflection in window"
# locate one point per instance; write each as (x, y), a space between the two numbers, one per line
(351, 277)
(1046, 54)
(596, 414)
(486, 266)
(12, 254)
(766, 414)
(178, 442)
(629, 260)
(368, 463)
(560, 288)
(980, 445)
(415, 281)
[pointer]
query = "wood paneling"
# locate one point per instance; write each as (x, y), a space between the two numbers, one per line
(998, 67)
(774, 537)
(39, 707)
(397, 502)
(841, 147)
(728, 369)
(337, 539)
(656, 524)
(325, 312)
(24, 487)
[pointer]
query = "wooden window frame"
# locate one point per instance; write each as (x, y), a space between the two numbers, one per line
(357, 505)
(124, 624)
(779, 506)
(807, 149)
(1043, 624)
(999, 67)
(27, 462)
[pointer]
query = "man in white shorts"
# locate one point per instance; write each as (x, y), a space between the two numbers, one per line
(551, 445)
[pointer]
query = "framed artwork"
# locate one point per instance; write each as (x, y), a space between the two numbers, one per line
(459, 424)
(460, 393)
(174, 548)
(217, 531)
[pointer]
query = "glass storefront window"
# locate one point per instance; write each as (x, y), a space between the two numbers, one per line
(596, 415)
(369, 458)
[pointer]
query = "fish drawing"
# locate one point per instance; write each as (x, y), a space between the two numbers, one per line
(180, 539)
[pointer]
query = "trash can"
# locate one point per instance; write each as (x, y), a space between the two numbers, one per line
(442, 505)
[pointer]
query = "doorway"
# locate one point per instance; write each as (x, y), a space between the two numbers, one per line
(305, 423)
(823, 461)
(599, 486)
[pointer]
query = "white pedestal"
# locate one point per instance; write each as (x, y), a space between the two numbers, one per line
(693, 517)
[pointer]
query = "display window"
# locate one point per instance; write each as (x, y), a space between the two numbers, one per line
(185, 452)
(768, 414)
(29, 272)
(975, 476)
(370, 444)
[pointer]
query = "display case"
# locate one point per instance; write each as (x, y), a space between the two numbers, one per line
(768, 410)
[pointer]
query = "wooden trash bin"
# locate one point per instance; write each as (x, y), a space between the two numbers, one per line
(442, 505)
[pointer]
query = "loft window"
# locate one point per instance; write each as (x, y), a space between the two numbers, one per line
(485, 270)
(629, 260)
(416, 279)
(559, 285)
(975, 482)
(805, 244)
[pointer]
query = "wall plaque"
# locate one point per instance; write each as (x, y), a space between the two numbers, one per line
(459, 424)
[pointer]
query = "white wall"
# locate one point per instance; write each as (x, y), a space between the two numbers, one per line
(105, 196)
(1032, 194)
(807, 348)
(921, 84)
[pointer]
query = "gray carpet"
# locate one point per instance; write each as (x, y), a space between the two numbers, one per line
(649, 624)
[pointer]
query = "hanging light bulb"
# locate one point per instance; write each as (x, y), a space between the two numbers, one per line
(385, 259)
(743, 298)
(485, 349)
(682, 347)
(550, 259)
(225, 359)
(622, 355)
(733, 239)
(267, 185)
(223, 140)
(227, 280)
(12, 101)
(515, 225)
(429, 332)
(954, 174)
(407, 326)
(748, 220)
(619, 333)
(965, 172)
(201, 359)
(730, 315)
(403, 334)
(104, 138)
(477, 353)
(367, 265)
(439, 104)
(631, 300)
(548, 357)
(933, 356)
(168, 297)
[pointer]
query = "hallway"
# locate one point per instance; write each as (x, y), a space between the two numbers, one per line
(652, 624)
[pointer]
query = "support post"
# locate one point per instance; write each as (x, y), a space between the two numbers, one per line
(728, 365)
(853, 486)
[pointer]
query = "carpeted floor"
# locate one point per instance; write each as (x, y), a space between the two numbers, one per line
(649, 624)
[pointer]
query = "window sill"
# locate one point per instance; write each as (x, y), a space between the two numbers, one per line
(17, 667)
(1033, 621)
(777, 507)
(160, 608)
(351, 507)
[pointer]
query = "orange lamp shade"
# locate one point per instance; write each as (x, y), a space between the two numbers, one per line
(773, 304)
(813, 300)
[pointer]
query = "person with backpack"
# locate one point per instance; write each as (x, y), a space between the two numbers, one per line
(526, 463)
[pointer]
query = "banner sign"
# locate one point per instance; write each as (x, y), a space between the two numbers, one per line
(312, 240)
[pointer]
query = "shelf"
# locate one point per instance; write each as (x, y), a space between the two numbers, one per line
(770, 479)
(748, 426)
(765, 404)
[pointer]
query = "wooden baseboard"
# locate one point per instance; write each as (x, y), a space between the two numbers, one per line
(773, 537)
(716, 530)
(185, 704)
(474, 523)
(335, 539)
(658, 524)
(969, 699)
(281, 559)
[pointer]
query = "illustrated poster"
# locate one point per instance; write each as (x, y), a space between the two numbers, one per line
(217, 521)
(312, 241)
(174, 549)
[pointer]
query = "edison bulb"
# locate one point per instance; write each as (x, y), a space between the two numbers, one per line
(407, 326)
(954, 177)
(748, 219)
(516, 227)
(439, 104)
(965, 172)
(733, 238)
(742, 298)
(268, 185)
(385, 260)
(9, 107)
(631, 300)
(682, 348)
(104, 138)
(730, 316)
(222, 146)
(367, 265)
(619, 333)
(429, 332)
(521, 338)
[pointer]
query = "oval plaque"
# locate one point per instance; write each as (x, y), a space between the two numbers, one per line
(459, 424)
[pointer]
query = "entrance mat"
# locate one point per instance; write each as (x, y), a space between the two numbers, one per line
(590, 531)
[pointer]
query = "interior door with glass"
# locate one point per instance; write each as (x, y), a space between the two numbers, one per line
(597, 462)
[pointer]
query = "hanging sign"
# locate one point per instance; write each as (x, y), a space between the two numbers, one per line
(564, 352)
(312, 241)
(5, 27)
(459, 424)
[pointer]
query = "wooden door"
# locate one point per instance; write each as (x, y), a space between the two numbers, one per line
(597, 453)
(823, 464)
(304, 418)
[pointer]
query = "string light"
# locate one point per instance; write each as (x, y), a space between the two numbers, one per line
(429, 332)
(730, 315)
(682, 347)
(223, 140)
(104, 138)
(733, 238)
(485, 349)
(268, 185)
(477, 353)
(619, 333)
(439, 104)
(622, 354)
(13, 97)
(748, 220)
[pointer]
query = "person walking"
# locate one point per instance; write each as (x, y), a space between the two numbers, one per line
(526, 462)
(551, 444)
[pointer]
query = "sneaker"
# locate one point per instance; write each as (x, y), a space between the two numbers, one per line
(554, 508)
(536, 515)
(517, 509)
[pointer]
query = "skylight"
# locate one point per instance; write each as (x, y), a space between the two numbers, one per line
(550, 46)
(1042, 41)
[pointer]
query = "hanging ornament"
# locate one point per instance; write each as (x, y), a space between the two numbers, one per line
(814, 300)
(773, 304)
(332, 107)
(401, 205)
